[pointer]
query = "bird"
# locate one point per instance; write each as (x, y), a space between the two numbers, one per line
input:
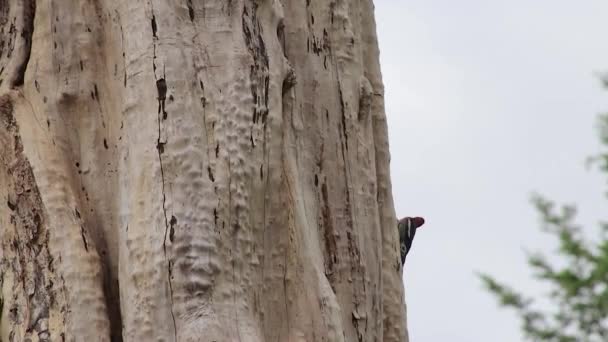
(407, 227)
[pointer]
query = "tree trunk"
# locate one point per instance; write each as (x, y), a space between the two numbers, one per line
(195, 171)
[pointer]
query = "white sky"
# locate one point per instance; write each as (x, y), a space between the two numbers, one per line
(487, 101)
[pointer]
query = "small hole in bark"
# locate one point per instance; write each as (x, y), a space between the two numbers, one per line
(160, 147)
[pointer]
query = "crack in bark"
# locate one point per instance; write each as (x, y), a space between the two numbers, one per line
(29, 12)
(162, 90)
(162, 176)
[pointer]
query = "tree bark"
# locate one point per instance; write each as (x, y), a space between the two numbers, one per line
(195, 171)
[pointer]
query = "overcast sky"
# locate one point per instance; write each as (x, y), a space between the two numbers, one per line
(487, 102)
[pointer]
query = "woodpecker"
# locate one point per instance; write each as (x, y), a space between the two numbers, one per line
(407, 230)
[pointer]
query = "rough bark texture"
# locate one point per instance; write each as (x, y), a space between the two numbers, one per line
(195, 171)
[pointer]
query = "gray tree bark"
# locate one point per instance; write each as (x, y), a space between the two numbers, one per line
(195, 171)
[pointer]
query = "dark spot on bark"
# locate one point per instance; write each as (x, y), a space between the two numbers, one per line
(161, 87)
(281, 36)
(330, 239)
(105, 143)
(266, 86)
(210, 173)
(160, 146)
(343, 112)
(84, 239)
(96, 91)
(11, 206)
(190, 10)
(316, 180)
(172, 222)
(289, 82)
(154, 26)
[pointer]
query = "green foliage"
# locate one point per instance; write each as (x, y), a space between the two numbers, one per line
(578, 286)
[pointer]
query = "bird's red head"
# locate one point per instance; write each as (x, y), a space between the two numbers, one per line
(417, 222)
